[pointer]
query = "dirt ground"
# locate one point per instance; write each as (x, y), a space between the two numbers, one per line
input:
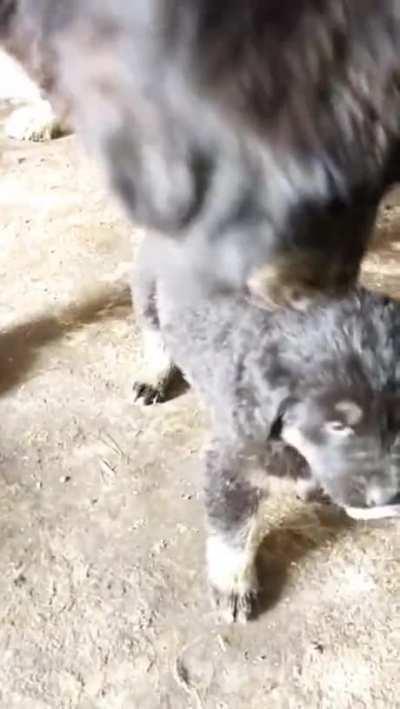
(103, 600)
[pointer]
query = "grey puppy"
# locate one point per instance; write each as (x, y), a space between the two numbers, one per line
(323, 384)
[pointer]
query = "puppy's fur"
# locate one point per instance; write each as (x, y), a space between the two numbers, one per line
(260, 134)
(312, 394)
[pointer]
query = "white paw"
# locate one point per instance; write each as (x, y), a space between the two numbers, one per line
(237, 605)
(36, 122)
(156, 371)
(233, 580)
(146, 394)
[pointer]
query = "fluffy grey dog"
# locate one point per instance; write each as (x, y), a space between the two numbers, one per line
(323, 384)
(259, 134)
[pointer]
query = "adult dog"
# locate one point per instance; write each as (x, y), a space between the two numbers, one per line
(259, 135)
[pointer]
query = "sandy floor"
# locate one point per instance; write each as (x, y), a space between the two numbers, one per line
(102, 590)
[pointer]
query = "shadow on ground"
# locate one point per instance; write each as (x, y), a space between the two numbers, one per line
(298, 536)
(19, 345)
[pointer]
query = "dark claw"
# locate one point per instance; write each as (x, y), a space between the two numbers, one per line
(236, 607)
(147, 394)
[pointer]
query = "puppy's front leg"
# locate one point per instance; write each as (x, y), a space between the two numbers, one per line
(157, 370)
(232, 498)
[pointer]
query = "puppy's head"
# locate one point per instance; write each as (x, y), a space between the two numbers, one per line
(351, 443)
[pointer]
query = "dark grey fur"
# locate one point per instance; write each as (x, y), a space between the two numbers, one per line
(326, 381)
(254, 132)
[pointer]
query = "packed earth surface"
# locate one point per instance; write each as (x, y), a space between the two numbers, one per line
(103, 596)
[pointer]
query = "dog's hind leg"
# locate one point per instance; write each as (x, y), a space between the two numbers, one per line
(157, 371)
(235, 486)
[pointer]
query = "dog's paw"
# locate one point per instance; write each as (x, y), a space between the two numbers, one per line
(235, 606)
(36, 122)
(233, 580)
(147, 394)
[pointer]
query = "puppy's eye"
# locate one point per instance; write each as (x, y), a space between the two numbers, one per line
(339, 428)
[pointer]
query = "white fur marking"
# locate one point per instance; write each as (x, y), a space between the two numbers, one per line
(351, 411)
(36, 122)
(231, 567)
(157, 363)
(293, 437)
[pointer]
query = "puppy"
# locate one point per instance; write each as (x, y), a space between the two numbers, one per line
(312, 394)
(259, 135)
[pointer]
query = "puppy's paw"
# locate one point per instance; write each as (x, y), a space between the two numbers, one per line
(156, 372)
(36, 122)
(232, 579)
(237, 605)
(147, 394)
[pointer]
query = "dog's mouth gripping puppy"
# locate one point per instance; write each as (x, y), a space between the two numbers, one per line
(313, 394)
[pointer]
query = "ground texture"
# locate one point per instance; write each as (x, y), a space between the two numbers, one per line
(103, 601)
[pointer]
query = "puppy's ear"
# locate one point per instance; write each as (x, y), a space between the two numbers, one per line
(393, 413)
(285, 416)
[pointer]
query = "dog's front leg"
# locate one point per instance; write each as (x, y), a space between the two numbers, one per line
(232, 496)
